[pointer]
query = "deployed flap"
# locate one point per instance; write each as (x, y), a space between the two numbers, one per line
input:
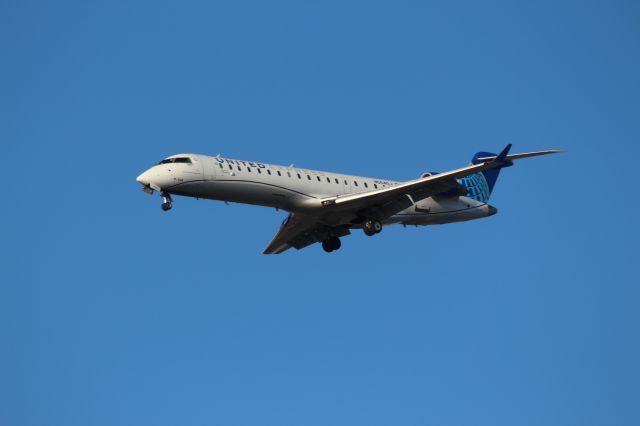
(294, 226)
(299, 231)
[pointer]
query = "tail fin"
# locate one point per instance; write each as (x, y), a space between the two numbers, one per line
(480, 185)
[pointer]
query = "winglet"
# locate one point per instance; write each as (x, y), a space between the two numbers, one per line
(500, 158)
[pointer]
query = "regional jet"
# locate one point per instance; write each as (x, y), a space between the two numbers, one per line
(324, 207)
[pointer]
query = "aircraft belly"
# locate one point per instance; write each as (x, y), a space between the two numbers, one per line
(240, 192)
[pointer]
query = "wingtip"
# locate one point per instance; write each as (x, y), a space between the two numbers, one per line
(552, 151)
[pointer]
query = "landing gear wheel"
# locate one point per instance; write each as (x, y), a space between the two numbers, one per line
(168, 202)
(331, 244)
(336, 243)
(371, 227)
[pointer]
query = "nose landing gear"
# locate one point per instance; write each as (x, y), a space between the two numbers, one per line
(372, 227)
(331, 244)
(168, 202)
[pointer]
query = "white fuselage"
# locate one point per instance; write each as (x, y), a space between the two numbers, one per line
(290, 188)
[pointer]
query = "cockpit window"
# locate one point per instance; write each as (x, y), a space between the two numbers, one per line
(186, 160)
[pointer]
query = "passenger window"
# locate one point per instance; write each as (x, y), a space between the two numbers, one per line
(259, 171)
(249, 169)
(318, 178)
(375, 186)
(230, 167)
(299, 177)
(328, 180)
(220, 164)
(338, 183)
(279, 174)
(345, 182)
(355, 183)
(268, 171)
(308, 177)
(365, 185)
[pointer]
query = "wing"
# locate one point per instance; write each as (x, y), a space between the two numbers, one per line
(385, 202)
(333, 216)
(301, 230)
(521, 155)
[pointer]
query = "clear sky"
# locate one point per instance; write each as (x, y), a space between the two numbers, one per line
(115, 313)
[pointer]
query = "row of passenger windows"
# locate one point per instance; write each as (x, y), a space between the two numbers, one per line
(239, 168)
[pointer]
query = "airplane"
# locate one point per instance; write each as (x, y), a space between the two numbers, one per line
(323, 207)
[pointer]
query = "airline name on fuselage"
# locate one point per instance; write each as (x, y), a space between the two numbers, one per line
(240, 162)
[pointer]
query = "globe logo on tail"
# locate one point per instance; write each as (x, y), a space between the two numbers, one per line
(477, 186)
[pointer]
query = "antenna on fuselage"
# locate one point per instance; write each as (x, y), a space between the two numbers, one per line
(218, 156)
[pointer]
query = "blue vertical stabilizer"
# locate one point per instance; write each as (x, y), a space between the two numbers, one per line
(480, 185)
(491, 175)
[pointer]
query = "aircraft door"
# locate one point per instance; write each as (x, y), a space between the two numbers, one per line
(193, 170)
(222, 172)
(209, 166)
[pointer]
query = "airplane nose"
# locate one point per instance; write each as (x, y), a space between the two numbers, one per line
(143, 179)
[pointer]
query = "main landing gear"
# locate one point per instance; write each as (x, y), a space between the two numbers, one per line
(371, 227)
(331, 244)
(168, 202)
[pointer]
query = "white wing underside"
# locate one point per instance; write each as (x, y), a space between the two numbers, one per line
(296, 231)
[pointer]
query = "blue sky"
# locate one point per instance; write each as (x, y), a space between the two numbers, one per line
(113, 312)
